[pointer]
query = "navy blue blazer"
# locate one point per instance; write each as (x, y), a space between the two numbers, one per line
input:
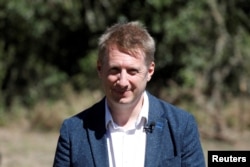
(174, 141)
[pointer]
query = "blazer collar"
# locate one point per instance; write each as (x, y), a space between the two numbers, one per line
(96, 130)
(97, 133)
(154, 141)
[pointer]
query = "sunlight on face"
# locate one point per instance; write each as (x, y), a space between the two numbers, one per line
(124, 76)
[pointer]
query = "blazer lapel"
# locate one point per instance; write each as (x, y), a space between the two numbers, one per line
(158, 143)
(154, 143)
(99, 150)
(97, 135)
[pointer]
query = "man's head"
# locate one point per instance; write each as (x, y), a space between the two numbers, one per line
(127, 36)
(125, 63)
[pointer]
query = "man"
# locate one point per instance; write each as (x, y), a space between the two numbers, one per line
(129, 127)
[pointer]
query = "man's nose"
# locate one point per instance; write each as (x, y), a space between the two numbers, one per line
(123, 79)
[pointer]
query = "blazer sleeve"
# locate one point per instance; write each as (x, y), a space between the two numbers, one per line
(192, 154)
(62, 155)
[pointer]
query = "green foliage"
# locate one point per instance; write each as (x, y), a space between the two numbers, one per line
(45, 44)
(88, 76)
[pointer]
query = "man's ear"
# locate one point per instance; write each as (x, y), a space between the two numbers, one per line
(151, 70)
(99, 67)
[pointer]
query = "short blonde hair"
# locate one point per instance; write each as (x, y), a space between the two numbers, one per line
(129, 36)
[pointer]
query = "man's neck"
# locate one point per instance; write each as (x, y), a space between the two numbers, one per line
(126, 115)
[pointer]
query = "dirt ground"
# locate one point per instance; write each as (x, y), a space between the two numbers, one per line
(25, 148)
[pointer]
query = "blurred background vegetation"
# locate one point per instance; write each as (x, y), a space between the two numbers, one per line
(48, 52)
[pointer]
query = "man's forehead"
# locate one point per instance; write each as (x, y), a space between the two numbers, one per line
(134, 52)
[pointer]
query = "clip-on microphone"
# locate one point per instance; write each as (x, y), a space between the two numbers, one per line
(149, 128)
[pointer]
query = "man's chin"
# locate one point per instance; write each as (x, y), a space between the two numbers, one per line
(123, 100)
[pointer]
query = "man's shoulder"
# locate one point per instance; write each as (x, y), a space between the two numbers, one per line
(166, 106)
(177, 119)
(171, 112)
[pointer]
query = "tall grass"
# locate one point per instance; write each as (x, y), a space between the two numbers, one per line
(47, 115)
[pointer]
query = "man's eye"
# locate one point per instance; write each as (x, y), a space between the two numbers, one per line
(114, 71)
(133, 71)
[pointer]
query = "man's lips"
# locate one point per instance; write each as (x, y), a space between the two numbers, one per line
(120, 91)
